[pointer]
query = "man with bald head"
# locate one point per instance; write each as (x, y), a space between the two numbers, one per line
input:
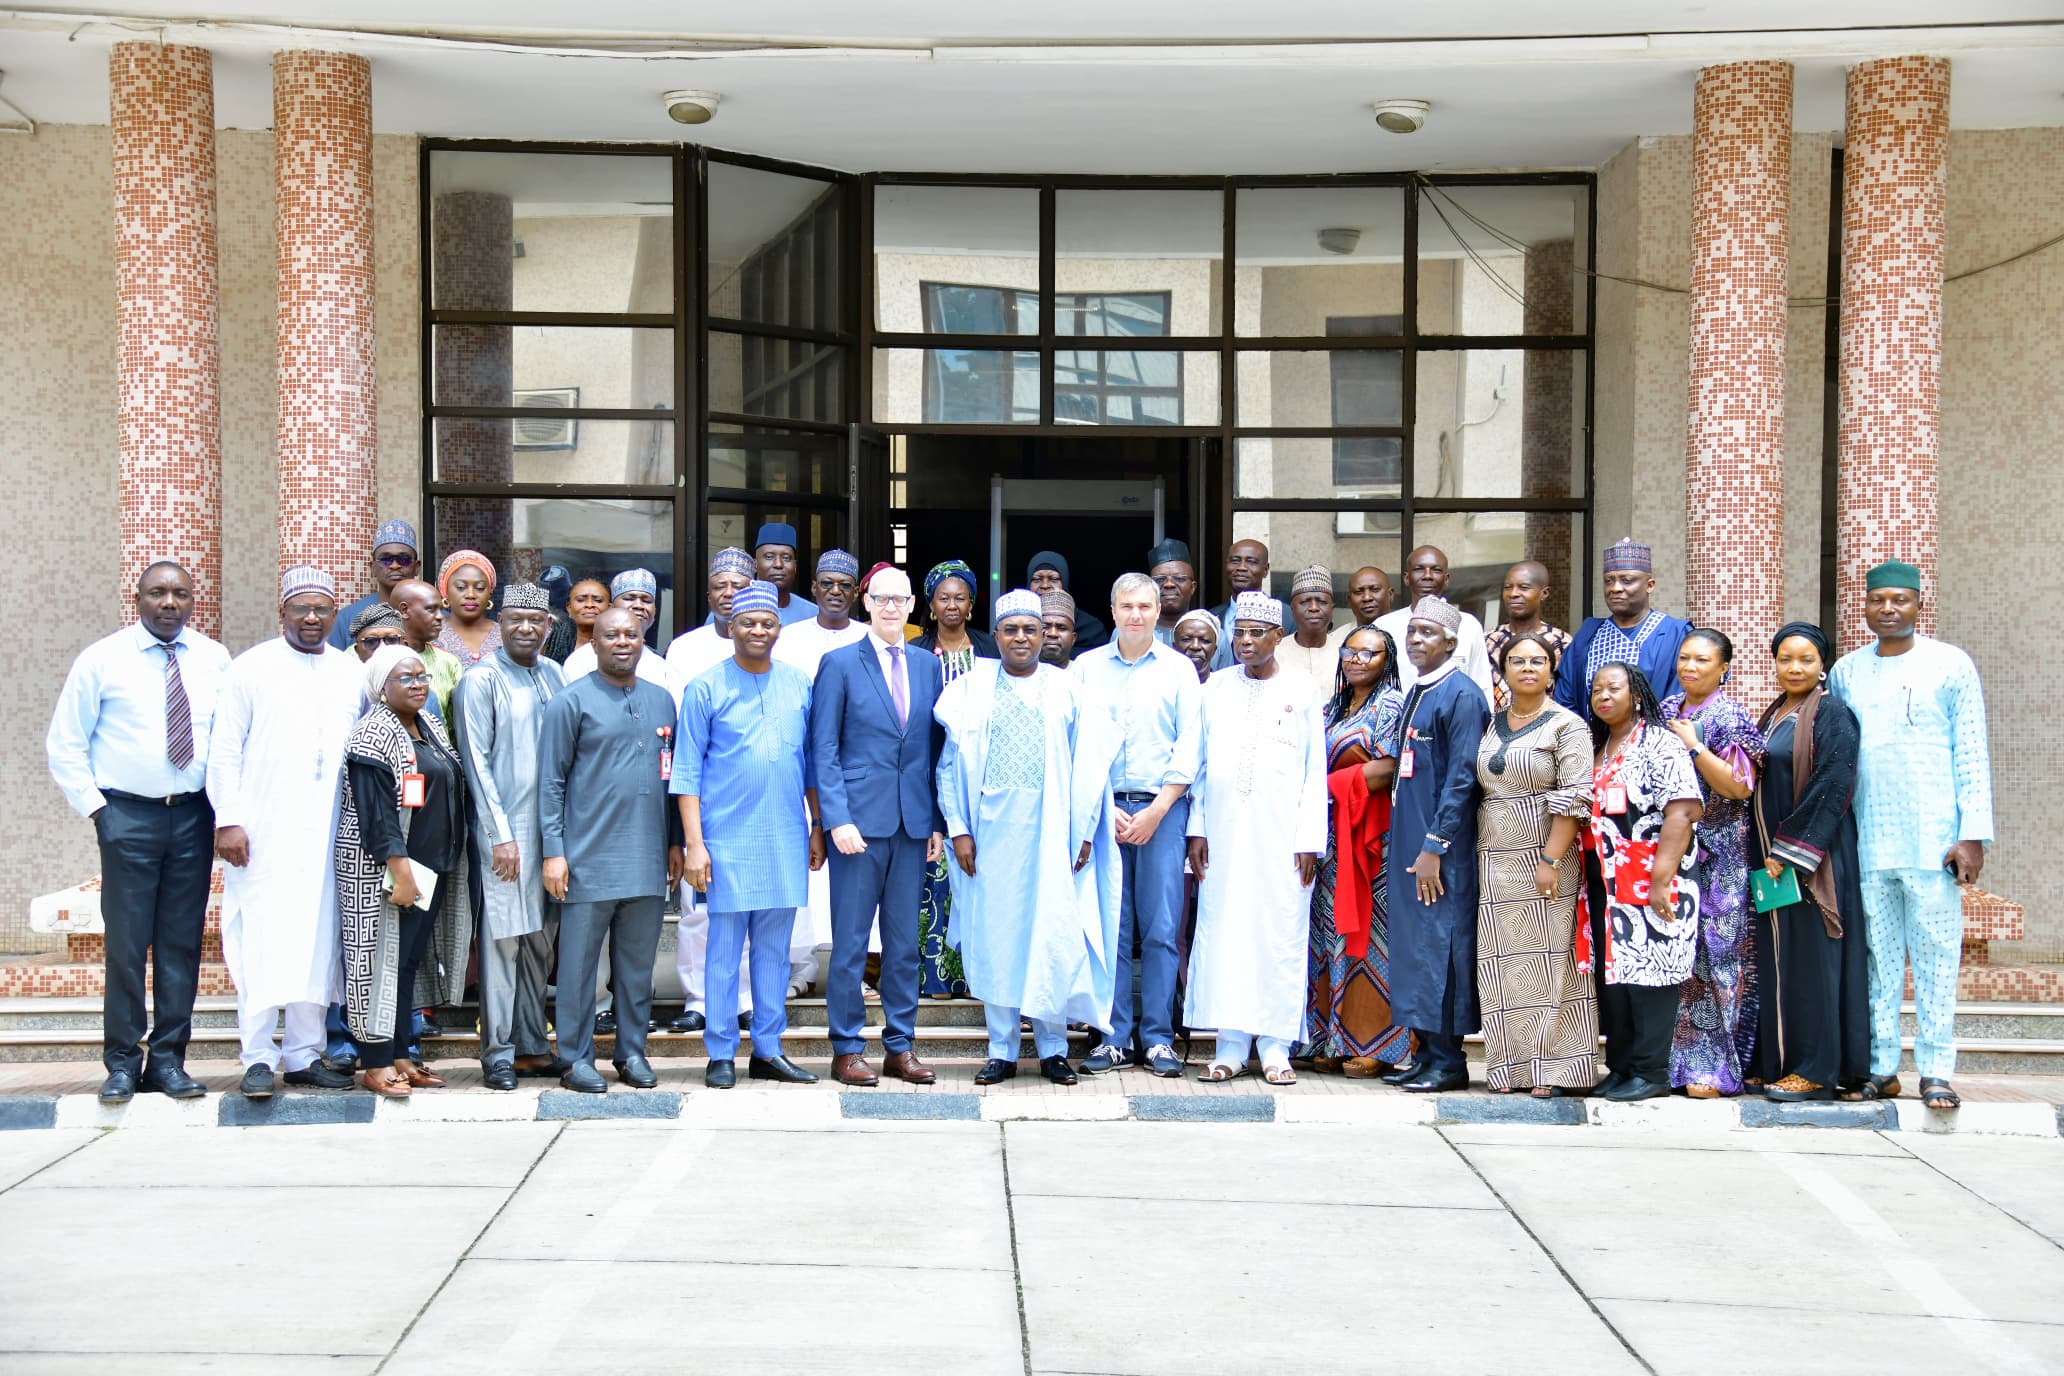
(1246, 570)
(1526, 588)
(1370, 594)
(1426, 575)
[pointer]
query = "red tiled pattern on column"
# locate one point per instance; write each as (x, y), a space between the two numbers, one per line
(1741, 167)
(161, 109)
(1548, 403)
(472, 256)
(323, 175)
(1892, 175)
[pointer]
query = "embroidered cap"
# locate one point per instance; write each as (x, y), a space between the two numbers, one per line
(634, 580)
(1198, 614)
(838, 561)
(395, 531)
(306, 578)
(373, 617)
(1057, 604)
(756, 596)
(526, 597)
(1893, 573)
(1440, 612)
(731, 559)
(1317, 578)
(1017, 602)
(1258, 606)
(1629, 555)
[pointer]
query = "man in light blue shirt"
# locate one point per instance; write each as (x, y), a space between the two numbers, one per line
(128, 744)
(1923, 817)
(1151, 693)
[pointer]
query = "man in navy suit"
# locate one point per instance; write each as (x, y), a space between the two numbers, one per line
(876, 746)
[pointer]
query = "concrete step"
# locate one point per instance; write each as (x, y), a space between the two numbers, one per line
(216, 1010)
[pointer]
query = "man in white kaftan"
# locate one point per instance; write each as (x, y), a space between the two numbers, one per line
(275, 759)
(1257, 829)
(1024, 786)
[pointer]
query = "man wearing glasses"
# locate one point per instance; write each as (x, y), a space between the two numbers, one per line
(875, 746)
(396, 559)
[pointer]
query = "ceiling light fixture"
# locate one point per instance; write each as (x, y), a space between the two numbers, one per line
(1401, 116)
(691, 107)
(1341, 241)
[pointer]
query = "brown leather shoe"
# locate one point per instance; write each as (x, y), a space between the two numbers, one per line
(418, 1076)
(853, 1070)
(904, 1065)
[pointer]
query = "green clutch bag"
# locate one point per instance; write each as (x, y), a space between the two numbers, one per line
(1774, 893)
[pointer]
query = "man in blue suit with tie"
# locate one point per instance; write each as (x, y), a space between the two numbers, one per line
(876, 747)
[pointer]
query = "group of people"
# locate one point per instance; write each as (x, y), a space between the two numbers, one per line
(1335, 847)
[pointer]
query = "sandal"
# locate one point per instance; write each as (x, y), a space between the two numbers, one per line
(384, 1083)
(1879, 1087)
(1218, 1073)
(1936, 1094)
(1545, 1092)
(1796, 1089)
(1363, 1068)
(1701, 1092)
(1279, 1074)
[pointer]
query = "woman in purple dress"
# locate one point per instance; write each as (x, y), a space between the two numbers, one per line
(1716, 1015)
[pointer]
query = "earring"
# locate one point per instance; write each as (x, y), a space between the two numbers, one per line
(489, 607)
(1823, 676)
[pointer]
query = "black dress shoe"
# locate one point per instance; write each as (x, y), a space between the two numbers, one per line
(690, 1021)
(778, 1068)
(173, 1082)
(1411, 1070)
(720, 1074)
(745, 1021)
(257, 1082)
(118, 1088)
(584, 1079)
(605, 1024)
(316, 1075)
(1635, 1088)
(431, 1026)
(636, 1072)
(499, 1077)
(1612, 1081)
(1436, 1082)
(346, 1061)
(550, 1070)
(996, 1072)
(1057, 1069)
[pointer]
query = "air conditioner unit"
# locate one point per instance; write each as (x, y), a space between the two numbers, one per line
(546, 431)
(1389, 523)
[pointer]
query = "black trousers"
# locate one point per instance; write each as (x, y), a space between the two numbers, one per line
(416, 926)
(1638, 1021)
(154, 863)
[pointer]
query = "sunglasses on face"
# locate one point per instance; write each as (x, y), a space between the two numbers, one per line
(395, 561)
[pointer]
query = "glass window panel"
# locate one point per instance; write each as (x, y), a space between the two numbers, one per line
(1362, 466)
(1121, 246)
(547, 448)
(1135, 387)
(553, 366)
(817, 529)
(777, 461)
(1503, 259)
(1342, 541)
(1481, 546)
(774, 248)
(1306, 253)
(590, 537)
(787, 379)
(1499, 423)
(1313, 388)
(551, 232)
(956, 386)
(959, 259)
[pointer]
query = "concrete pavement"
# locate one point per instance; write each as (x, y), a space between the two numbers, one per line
(1130, 1248)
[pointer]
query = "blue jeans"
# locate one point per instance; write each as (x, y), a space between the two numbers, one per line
(1152, 907)
(769, 929)
(1006, 1040)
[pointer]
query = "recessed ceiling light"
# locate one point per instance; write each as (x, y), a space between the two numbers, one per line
(691, 107)
(1401, 116)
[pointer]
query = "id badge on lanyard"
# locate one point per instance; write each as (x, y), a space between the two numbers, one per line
(1404, 764)
(666, 753)
(412, 785)
(1614, 803)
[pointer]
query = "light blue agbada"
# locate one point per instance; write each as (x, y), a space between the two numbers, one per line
(744, 750)
(1034, 934)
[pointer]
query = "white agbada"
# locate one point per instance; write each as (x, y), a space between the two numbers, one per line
(274, 762)
(1259, 801)
(805, 644)
(694, 653)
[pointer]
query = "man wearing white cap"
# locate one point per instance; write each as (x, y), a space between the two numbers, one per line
(276, 753)
(1257, 828)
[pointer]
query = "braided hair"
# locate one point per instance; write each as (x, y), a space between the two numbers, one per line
(1388, 678)
(1646, 709)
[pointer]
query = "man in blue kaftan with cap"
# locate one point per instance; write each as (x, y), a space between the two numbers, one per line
(1635, 633)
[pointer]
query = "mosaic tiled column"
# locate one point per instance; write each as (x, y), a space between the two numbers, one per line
(472, 268)
(1892, 198)
(1547, 419)
(161, 109)
(323, 178)
(1741, 167)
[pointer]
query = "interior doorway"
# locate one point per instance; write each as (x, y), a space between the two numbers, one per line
(995, 501)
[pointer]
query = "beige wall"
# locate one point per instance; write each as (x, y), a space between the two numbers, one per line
(57, 369)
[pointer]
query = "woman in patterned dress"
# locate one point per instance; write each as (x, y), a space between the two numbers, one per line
(950, 593)
(466, 582)
(1347, 1024)
(1540, 1016)
(1716, 1016)
(1645, 806)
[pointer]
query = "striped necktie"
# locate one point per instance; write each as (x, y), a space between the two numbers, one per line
(178, 713)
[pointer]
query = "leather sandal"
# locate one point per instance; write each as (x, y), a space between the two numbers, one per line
(1877, 1087)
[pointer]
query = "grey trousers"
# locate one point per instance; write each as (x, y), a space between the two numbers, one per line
(514, 971)
(631, 926)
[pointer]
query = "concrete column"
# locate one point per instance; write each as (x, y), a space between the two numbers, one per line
(1741, 167)
(161, 109)
(1892, 200)
(472, 268)
(1548, 421)
(323, 178)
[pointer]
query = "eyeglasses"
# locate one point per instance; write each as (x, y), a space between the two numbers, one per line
(410, 680)
(381, 638)
(395, 561)
(1357, 656)
(889, 599)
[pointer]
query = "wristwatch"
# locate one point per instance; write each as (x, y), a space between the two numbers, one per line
(1556, 864)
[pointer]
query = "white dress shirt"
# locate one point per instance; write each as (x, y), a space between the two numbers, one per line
(109, 727)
